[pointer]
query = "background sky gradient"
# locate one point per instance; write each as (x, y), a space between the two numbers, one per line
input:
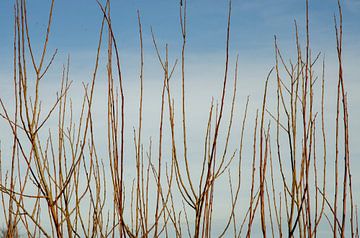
(254, 23)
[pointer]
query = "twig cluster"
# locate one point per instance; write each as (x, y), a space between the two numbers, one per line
(60, 180)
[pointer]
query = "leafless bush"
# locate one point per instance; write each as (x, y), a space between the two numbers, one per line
(65, 183)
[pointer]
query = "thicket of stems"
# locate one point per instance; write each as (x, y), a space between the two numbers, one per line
(59, 177)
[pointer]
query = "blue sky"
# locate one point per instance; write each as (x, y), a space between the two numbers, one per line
(254, 23)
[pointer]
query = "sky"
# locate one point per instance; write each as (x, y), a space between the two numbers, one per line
(254, 23)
